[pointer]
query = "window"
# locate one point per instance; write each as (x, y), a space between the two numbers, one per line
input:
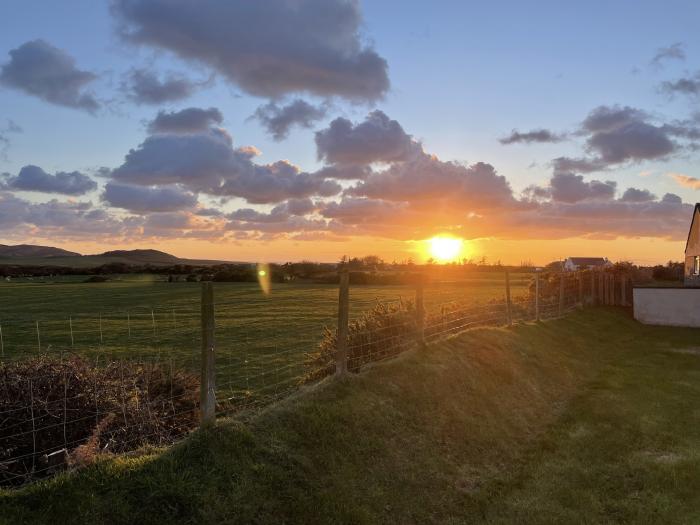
(696, 265)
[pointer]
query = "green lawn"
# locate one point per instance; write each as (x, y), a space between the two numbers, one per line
(592, 418)
(261, 339)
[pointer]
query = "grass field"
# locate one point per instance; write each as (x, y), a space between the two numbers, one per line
(261, 340)
(592, 418)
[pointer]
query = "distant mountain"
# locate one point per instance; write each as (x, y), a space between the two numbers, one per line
(31, 250)
(31, 255)
(143, 256)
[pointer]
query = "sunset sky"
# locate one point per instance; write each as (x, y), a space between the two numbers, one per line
(311, 129)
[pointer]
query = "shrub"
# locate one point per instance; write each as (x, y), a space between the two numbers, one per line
(673, 271)
(383, 331)
(458, 316)
(58, 413)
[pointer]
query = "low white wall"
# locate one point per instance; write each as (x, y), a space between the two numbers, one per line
(667, 306)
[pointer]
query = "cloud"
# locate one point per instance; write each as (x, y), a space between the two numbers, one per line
(615, 135)
(297, 207)
(349, 172)
(208, 163)
(9, 129)
(423, 195)
(671, 198)
(44, 71)
(144, 87)
(609, 118)
(21, 219)
(376, 139)
(621, 134)
(535, 135)
(637, 195)
(673, 52)
(269, 49)
(280, 213)
(12, 127)
(667, 218)
(209, 212)
(170, 220)
(536, 193)
(189, 120)
(427, 178)
(685, 180)
(33, 178)
(361, 210)
(283, 220)
(278, 120)
(639, 141)
(568, 165)
(155, 194)
(684, 86)
(572, 188)
(276, 229)
(139, 199)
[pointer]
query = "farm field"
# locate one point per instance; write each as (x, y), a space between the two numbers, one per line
(591, 418)
(261, 339)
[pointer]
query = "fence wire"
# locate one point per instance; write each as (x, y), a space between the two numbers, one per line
(77, 384)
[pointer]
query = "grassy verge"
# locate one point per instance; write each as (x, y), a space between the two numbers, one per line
(592, 418)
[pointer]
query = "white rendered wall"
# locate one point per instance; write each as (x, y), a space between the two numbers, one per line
(667, 306)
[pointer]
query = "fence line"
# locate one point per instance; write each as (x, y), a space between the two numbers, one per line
(117, 379)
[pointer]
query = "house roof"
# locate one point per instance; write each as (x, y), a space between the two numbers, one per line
(588, 261)
(695, 212)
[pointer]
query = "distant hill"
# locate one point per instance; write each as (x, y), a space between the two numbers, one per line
(143, 256)
(32, 250)
(32, 255)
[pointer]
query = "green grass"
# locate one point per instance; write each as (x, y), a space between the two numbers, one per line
(261, 340)
(588, 419)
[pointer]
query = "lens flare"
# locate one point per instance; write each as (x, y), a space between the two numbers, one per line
(264, 278)
(445, 249)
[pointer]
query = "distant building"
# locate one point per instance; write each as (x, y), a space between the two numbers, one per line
(691, 275)
(572, 264)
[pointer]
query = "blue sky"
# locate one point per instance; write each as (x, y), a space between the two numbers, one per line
(462, 74)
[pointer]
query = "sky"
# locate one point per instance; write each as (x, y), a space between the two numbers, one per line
(312, 129)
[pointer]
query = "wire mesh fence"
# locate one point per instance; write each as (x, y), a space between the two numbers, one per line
(77, 384)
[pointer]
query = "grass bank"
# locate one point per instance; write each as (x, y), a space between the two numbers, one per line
(592, 418)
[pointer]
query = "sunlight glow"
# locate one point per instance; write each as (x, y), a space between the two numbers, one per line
(264, 278)
(445, 249)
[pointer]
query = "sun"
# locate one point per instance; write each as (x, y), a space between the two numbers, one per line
(445, 249)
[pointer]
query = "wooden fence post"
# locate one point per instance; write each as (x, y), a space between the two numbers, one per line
(604, 288)
(613, 295)
(579, 274)
(593, 297)
(509, 311)
(537, 295)
(623, 290)
(420, 313)
(341, 354)
(561, 294)
(207, 389)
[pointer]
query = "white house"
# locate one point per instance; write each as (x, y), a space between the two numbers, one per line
(571, 264)
(675, 305)
(691, 275)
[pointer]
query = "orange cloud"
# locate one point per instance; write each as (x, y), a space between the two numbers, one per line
(685, 180)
